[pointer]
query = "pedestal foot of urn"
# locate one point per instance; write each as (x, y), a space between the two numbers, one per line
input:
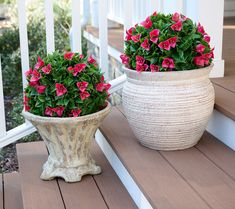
(69, 174)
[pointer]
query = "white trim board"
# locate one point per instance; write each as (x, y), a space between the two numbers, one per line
(111, 51)
(223, 128)
(132, 188)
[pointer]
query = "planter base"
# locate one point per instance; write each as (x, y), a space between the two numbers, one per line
(69, 174)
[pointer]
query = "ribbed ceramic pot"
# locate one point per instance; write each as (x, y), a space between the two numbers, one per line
(68, 141)
(168, 110)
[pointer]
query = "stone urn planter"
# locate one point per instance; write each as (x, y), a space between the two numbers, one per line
(68, 141)
(168, 110)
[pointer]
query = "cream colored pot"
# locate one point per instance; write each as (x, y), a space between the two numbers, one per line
(68, 142)
(168, 110)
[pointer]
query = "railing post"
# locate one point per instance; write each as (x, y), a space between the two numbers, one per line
(103, 36)
(49, 26)
(24, 49)
(76, 27)
(2, 111)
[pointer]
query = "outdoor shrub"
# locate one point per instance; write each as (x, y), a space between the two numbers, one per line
(165, 43)
(66, 85)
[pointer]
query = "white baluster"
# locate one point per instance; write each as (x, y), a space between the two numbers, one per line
(76, 27)
(24, 50)
(103, 36)
(49, 26)
(2, 111)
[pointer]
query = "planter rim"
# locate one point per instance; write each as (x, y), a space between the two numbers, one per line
(169, 75)
(31, 116)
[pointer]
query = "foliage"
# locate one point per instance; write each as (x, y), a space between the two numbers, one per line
(165, 43)
(66, 85)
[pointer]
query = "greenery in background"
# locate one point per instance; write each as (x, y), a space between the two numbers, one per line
(10, 50)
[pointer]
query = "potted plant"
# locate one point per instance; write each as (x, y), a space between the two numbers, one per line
(168, 97)
(66, 100)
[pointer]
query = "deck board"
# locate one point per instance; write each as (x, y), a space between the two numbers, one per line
(1, 192)
(161, 184)
(12, 191)
(82, 195)
(227, 83)
(225, 101)
(217, 152)
(215, 186)
(36, 194)
(114, 193)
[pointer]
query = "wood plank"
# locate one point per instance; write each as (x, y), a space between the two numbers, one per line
(1, 192)
(82, 195)
(217, 152)
(210, 182)
(113, 191)
(36, 194)
(160, 183)
(224, 101)
(12, 191)
(225, 82)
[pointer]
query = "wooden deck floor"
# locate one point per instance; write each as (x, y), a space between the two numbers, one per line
(202, 177)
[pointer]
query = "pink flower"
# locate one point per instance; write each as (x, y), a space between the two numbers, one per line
(172, 41)
(139, 60)
(26, 106)
(58, 110)
(60, 89)
(39, 64)
(125, 59)
(84, 95)
(41, 89)
(154, 14)
(200, 29)
(76, 112)
(168, 63)
(68, 55)
(29, 72)
(136, 38)
(176, 17)
(177, 26)
(154, 68)
(36, 76)
(200, 48)
(107, 86)
(140, 68)
(78, 68)
(154, 35)
(81, 56)
(183, 17)
(91, 60)
(207, 39)
(48, 111)
(102, 78)
(33, 83)
(147, 23)
(145, 45)
(165, 45)
(130, 31)
(47, 69)
(199, 61)
(70, 68)
(100, 87)
(82, 85)
(209, 55)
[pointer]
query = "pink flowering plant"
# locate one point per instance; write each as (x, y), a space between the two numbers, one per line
(167, 43)
(65, 85)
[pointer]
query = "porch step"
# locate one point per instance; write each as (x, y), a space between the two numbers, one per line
(10, 191)
(100, 192)
(201, 177)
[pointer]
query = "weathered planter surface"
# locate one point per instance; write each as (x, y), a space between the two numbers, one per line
(168, 110)
(68, 142)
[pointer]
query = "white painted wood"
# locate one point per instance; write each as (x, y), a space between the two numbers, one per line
(16, 134)
(117, 83)
(24, 50)
(50, 41)
(210, 14)
(103, 36)
(132, 188)
(2, 107)
(223, 128)
(172, 6)
(128, 12)
(76, 27)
